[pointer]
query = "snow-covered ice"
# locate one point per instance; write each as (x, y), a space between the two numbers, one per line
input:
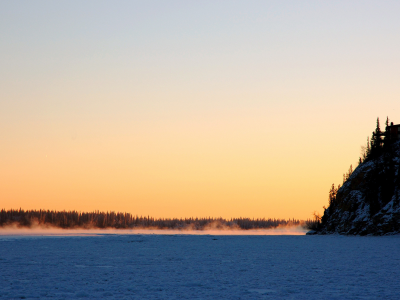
(177, 266)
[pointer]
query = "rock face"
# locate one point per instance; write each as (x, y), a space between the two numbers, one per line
(368, 202)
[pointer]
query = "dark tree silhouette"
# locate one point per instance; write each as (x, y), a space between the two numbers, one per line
(376, 141)
(97, 219)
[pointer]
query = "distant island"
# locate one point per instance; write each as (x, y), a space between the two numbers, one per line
(87, 220)
(367, 202)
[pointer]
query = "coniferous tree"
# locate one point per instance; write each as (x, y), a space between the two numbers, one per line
(387, 137)
(376, 141)
(350, 171)
(332, 195)
(366, 150)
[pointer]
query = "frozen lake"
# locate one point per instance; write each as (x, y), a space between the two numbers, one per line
(112, 266)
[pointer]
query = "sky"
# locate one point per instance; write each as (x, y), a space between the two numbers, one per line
(190, 108)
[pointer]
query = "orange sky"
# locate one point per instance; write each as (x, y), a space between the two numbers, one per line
(192, 111)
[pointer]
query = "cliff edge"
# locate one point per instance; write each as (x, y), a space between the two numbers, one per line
(368, 201)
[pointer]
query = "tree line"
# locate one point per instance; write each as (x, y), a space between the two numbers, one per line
(97, 219)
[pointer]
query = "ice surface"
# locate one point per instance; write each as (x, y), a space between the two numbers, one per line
(112, 266)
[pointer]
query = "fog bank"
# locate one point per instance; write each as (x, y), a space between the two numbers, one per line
(54, 231)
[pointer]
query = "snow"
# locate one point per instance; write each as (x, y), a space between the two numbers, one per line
(181, 266)
(362, 213)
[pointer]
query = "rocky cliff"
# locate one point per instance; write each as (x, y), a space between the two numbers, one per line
(368, 201)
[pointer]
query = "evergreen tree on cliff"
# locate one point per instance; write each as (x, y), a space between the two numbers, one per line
(376, 141)
(332, 196)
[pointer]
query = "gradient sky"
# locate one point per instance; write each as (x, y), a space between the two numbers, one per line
(190, 108)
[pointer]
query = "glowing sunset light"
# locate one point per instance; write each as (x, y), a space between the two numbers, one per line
(190, 109)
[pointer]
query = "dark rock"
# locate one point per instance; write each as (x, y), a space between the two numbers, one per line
(368, 202)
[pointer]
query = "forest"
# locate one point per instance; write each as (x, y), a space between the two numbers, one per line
(97, 219)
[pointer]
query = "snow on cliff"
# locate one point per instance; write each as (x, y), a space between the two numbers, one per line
(368, 202)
